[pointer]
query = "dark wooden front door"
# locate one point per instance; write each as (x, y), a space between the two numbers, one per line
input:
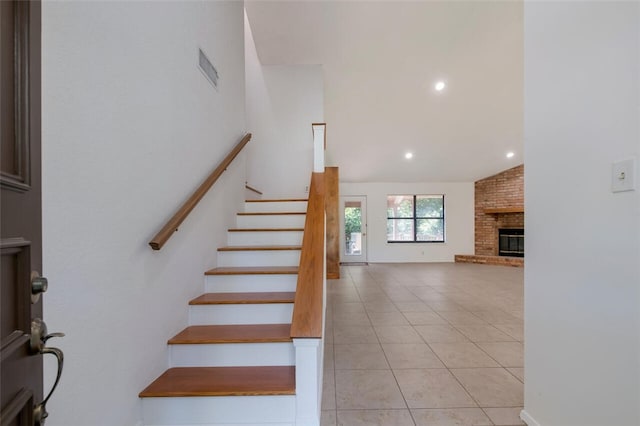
(20, 197)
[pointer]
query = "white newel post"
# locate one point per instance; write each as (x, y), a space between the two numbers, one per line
(319, 133)
(308, 381)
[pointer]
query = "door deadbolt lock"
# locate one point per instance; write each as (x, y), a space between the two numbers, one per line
(39, 285)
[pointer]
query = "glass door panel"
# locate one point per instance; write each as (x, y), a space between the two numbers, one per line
(354, 229)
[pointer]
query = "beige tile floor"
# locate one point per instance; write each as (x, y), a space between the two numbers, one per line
(424, 344)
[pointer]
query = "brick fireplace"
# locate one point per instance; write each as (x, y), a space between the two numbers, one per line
(499, 204)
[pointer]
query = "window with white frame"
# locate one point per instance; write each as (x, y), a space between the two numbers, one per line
(415, 218)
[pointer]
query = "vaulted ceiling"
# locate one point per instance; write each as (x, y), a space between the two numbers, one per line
(381, 61)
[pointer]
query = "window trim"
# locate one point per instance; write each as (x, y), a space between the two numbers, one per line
(415, 219)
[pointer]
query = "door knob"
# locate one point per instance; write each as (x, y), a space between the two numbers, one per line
(39, 285)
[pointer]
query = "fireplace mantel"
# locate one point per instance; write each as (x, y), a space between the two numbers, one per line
(503, 210)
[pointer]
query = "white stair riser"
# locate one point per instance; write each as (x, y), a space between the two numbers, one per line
(219, 411)
(248, 238)
(271, 221)
(259, 258)
(268, 313)
(250, 283)
(276, 206)
(232, 354)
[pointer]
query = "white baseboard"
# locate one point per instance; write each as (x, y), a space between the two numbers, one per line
(526, 417)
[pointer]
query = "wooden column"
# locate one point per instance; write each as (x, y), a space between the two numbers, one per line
(332, 207)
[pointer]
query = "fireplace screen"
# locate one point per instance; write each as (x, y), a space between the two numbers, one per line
(511, 242)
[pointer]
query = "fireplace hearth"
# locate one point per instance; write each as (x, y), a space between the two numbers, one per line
(511, 242)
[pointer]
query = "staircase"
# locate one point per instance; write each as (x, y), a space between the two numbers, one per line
(235, 363)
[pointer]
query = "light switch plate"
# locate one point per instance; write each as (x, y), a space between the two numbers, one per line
(623, 175)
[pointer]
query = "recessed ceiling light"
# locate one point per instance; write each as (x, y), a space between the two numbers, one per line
(510, 154)
(440, 86)
(408, 155)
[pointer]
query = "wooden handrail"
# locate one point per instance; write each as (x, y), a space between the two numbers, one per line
(252, 189)
(172, 225)
(307, 308)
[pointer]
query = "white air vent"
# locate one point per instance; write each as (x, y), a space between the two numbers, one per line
(207, 68)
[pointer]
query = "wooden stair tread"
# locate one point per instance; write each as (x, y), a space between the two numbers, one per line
(283, 200)
(244, 298)
(253, 270)
(223, 381)
(272, 213)
(245, 333)
(259, 248)
(266, 229)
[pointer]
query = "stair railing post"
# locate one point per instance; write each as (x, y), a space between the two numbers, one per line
(319, 145)
(308, 381)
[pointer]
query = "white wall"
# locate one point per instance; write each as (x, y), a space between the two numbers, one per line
(282, 102)
(130, 128)
(582, 282)
(459, 221)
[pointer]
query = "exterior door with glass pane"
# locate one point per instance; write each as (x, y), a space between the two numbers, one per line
(353, 226)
